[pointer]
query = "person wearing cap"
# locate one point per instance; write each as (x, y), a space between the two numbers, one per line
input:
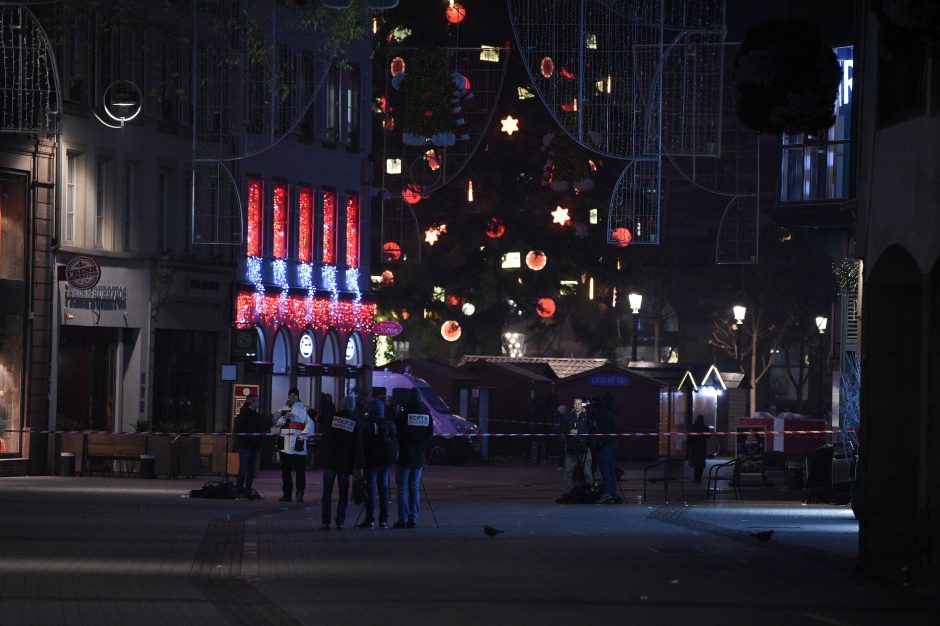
(296, 427)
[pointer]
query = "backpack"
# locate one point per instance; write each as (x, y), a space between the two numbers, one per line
(385, 440)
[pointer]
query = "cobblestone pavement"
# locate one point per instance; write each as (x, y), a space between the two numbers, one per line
(111, 550)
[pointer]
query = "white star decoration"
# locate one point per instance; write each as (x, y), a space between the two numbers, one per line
(430, 236)
(560, 216)
(510, 125)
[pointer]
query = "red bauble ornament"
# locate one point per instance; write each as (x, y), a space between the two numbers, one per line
(454, 300)
(392, 251)
(536, 260)
(450, 330)
(621, 237)
(455, 13)
(411, 194)
(547, 67)
(397, 66)
(495, 228)
(545, 307)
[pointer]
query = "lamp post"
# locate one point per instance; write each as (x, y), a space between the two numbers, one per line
(739, 312)
(822, 322)
(636, 301)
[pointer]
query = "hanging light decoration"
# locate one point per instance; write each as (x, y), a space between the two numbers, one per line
(455, 12)
(536, 260)
(391, 250)
(454, 300)
(560, 216)
(621, 237)
(547, 67)
(388, 277)
(450, 330)
(510, 125)
(397, 66)
(469, 191)
(411, 194)
(433, 161)
(468, 309)
(545, 307)
(495, 228)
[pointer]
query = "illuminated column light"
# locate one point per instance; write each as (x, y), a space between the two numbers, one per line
(591, 288)
(305, 274)
(280, 279)
(329, 280)
(469, 191)
(254, 275)
(352, 283)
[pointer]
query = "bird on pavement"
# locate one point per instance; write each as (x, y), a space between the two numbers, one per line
(492, 532)
(763, 536)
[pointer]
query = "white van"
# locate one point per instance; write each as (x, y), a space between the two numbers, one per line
(455, 438)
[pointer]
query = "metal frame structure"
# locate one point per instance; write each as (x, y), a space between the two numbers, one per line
(29, 91)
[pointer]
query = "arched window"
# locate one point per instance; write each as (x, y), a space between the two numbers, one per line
(280, 370)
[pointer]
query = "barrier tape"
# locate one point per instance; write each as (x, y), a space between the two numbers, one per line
(796, 433)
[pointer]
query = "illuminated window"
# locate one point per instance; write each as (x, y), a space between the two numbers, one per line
(304, 204)
(253, 238)
(352, 231)
(328, 253)
(280, 221)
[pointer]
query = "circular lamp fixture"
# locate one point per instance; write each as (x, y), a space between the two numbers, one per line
(450, 330)
(536, 260)
(545, 307)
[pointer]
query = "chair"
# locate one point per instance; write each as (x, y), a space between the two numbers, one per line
(775, 462)
(667, 471)
(714, 475)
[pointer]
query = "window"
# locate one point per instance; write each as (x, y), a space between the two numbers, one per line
(163, 199)
(130, 199)
(71, 197)
(351, 95)
(280, 212)
(254, 236)
(305, 205)
(102, 182)
(328, 252)
(333, 98)
(352, 231)
(816, 166)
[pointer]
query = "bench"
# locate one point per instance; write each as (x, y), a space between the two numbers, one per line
(114, 453)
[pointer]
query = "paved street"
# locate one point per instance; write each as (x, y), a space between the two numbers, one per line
(119, 550)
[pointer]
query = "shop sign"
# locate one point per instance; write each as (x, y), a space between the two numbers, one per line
(608, 380)
(245, 345)
(388, 328)
(306, 346)
(240, 392)
(83, 272)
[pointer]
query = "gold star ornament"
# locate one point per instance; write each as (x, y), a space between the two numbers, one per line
(510, 125)
(560, 216)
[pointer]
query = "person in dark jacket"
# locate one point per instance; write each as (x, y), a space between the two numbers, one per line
(378, 452)
(576, 429)
(415, 428)
(605, 447)
(697, 444)
(248, 426)
(338, 458)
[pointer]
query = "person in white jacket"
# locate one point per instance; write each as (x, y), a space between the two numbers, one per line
(296, 427)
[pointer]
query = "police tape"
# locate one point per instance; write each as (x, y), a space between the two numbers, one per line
(672, 433)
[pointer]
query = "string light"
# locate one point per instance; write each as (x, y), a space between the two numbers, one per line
(280, 222)
(329, 279)
(253, 247)
(304, 202)
(329, 228)
(352, 232)
(280, 279)
(352, 283)
(254, 276)
(343, 316)
(305, 274)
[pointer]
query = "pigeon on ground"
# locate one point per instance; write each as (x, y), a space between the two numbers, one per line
(763, 536)
(492, 532)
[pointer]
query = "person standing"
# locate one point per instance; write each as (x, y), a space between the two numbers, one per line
(605, 446)
(248, 427)
(698, 439)
(296, 426)
(379, 451)
(415, 428)
(338, 458)
(576, 429)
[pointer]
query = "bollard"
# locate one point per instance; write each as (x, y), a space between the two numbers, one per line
(67, 464)
(148, 465)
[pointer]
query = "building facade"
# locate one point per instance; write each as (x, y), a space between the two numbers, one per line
(120, 307)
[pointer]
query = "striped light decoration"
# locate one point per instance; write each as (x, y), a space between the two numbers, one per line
(280, 222)
(304, 203)
(253, 237)
(344, 316)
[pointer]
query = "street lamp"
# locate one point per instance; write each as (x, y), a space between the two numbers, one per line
(739, 313)
(821, 323)
(636, 301)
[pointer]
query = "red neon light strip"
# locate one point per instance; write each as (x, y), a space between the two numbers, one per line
(329, 228)
(253, 237)
(352, 231)
(280, 222)
(304, 202)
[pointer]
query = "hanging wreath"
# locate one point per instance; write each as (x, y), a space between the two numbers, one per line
(786, 78)
(433, 99)
(566, 165)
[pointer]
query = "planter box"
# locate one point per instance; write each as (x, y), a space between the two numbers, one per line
(74, 443)
(166, 463)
